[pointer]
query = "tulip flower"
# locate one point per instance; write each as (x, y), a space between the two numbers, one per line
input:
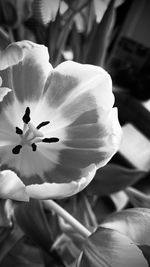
(57, 126)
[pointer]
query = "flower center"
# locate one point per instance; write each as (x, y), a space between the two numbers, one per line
(31, 135)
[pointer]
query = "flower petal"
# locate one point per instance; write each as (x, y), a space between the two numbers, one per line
(80, 146)
(11, 55)
(70, 80)
(26, 79)
(3, 92)
(97, 142)
(29, 70)
(86, 144)
(12, 187)
(29, 76)
(62, 190)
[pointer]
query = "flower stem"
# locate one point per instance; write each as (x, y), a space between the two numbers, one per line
(52, 205)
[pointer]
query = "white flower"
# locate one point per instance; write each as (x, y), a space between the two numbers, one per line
(57, 126)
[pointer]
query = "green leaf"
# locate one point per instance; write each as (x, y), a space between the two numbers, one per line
(45, 10)
(107, 248)
(31, 218)
(134, 223)
(5, 213)
(103, 207)
(96, 49)
(9, 241)
(24, 254)
(4, 39)
(113, 178)
(146, 252)
(137, 198)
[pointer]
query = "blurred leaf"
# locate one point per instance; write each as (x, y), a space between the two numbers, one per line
(146, 252)
(53, 33)
(11, 239)
(4, 233)
(24, 9)
(76, 46)
(35, 226)
(103, 207)
(45, 10)
(85, 17)
(137, 198)
(107, 248)
(32, 218)
(134, 223)
(14, 12)
(23, 254)
(69, 243)
(120, 200)
(5, 213)
(80, 208)
(96, 50)
(113, 178)
(68, 249)
(4, 39)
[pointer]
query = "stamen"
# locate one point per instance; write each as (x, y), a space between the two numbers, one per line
(34, 147)
(50, 140)
(35, 131)
(42, 124)
(16, 149)
(19, 131)
(26, 118)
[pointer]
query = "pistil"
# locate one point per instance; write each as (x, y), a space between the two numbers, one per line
(31, 135)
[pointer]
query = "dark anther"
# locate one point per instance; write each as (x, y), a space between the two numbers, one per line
(19, 131)
(16, 149)
(50, 140)
(42, 124)
(26, 117)
(34, 147)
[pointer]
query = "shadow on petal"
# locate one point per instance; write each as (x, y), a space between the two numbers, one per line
(62, 190)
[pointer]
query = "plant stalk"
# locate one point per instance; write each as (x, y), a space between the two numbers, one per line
(52, 205)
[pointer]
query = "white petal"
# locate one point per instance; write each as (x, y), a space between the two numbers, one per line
(12, 187)
(10, 56)
(62, 190)
(3, 92)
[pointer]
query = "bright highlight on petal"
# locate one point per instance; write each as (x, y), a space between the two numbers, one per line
(10, 56)
(12, 187)
(3, 92)
(56, 123)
